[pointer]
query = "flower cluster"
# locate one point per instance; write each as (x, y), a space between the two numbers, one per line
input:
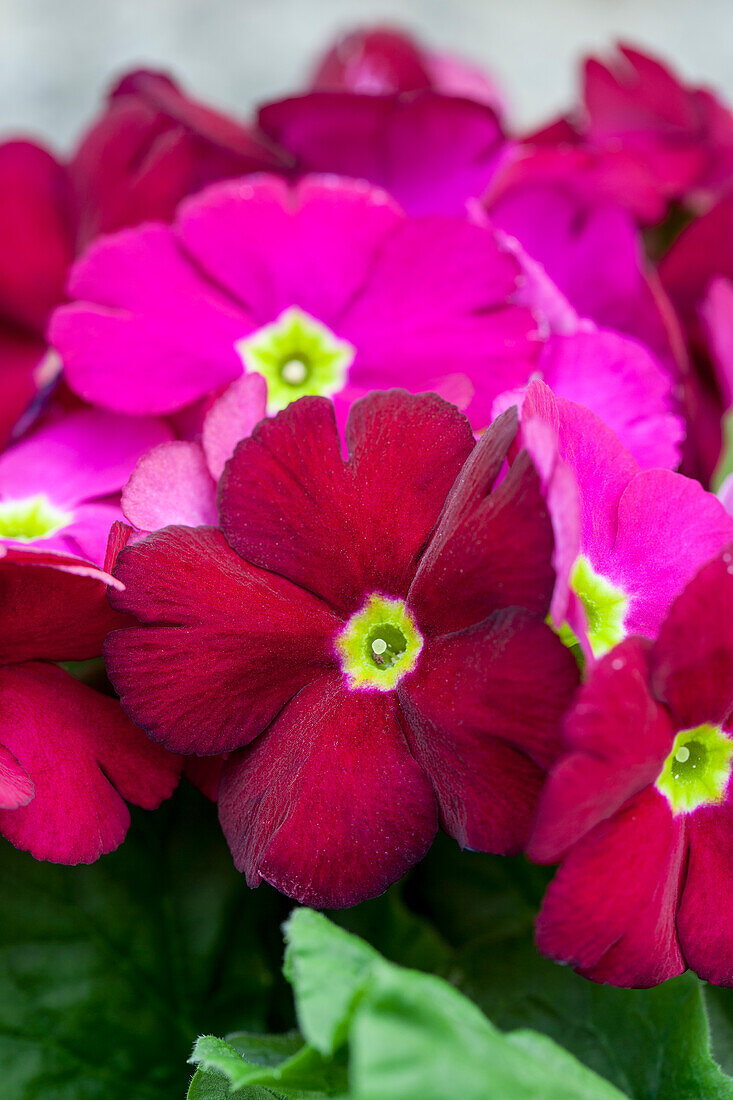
(372, 446)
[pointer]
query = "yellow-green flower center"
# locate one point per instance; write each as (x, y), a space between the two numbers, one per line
(697, 770)
(298, 356)
(31, 519)
(605, 608)
(379, 644)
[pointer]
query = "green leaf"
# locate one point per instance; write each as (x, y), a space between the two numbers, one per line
(276, 1062)
(413, 1035)
(328, 969)
(109, 972)
(654, 1044)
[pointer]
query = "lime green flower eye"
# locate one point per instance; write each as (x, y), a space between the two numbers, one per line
(605, 607)
(379, 644)
(31, 519)
(298, 356)
(697, 770)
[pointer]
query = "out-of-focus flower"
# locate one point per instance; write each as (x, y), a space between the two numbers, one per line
(152, 146)
(637, 536)
(323, 288)
(387, 61)
(643, 824)
(368, 644)
(69, 757)
(60, 485)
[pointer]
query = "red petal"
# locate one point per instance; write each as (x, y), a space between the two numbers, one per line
(328, 806)
(222, 646)
(703, 920)
(84, 757)
(483, 710)
(288, 501)
(603, 765)
(610, 910)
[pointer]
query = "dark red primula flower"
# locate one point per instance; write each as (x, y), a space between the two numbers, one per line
(365, 636)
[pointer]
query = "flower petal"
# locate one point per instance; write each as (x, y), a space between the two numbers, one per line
(704, 930)
(692, 660)
(16, 786)
(232, 418)
(610, 910)
(328, 806)
(171, 485)
(493, 551)
(84, 757)
(603, 766)
(483, 711)
(222, 646)
(288, 502)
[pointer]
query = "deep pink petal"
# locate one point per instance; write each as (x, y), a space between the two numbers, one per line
(431, 151)
(602, 765)
(231, 418)
(497, 554)
(16, 786)
(328, 805)
(668, 527)
(610, 910)
(624, 385)
(21, 355)
(704, 930)
(81, 456)
(171, 485)
(52, 607)
(483, 712)
(272, 246)
(716, 313)
(692, 660)
(221, 646)
(84, 757)
(149, 334)
(288, 501)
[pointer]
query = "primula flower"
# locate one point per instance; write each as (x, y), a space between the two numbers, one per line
(684, 135)
(325, 288)
(386, 61)
(643, 823)
(630, 538)
(59, 486)
(69, 757)
(152, 146)
(176, 481)
(366, 641)
(431, 152)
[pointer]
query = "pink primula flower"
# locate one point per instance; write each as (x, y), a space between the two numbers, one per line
(365, 636)
(629, 539)
(60, 485)
(323, 288)
(69, 757)
(643, 823)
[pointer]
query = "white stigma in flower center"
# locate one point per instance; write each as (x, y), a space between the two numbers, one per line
(294, 372)
(379, 646)
(682, 754)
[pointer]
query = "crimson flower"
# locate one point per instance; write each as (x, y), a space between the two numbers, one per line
(639, 808)
(364, 636)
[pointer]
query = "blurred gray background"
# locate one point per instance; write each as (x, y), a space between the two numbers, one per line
(57, 56)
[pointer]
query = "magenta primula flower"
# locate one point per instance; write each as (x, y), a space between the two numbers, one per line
(643, 823)
(629, 539)
(366, 638)
(60, 485)
(69, 757)
(385, 61)
(176, 481)
(325, 288)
